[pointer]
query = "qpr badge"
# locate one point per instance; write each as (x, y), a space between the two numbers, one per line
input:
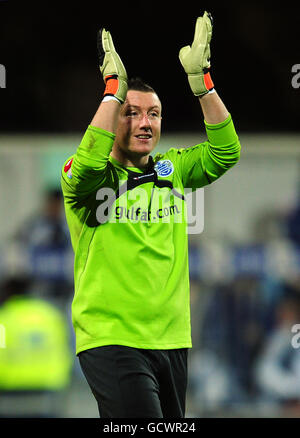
(164, 168)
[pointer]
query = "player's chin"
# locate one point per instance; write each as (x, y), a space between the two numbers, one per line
(142, 147)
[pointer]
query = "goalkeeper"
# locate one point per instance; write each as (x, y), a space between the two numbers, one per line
(131, 310)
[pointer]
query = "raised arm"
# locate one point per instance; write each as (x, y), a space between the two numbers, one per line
(87, 170)
(205, 163)
(195, 60)
(115, 79)
(213, 108)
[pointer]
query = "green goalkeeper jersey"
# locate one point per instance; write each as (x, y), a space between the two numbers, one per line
(128, 229)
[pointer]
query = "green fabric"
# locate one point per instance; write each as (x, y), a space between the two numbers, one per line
(37, 355)
(131, 275)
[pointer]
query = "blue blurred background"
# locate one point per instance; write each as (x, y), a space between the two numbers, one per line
(244, 266)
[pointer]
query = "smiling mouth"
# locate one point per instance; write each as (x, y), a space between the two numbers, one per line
(143, 136)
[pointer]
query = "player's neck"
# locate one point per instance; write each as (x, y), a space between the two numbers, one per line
(129, 161)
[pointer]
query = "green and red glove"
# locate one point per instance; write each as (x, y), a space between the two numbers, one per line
(195, 59)
(111, 67)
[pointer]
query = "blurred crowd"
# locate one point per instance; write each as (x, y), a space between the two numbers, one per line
(37, 349)
(245, 302)
(245, 311)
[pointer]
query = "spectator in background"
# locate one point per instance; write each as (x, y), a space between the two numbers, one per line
(292, 224)
(44, 243)
(277, 369)
(48, 225)
(36, 359)
(233, 330)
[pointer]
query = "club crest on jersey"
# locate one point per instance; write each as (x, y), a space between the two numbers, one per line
(164, 168)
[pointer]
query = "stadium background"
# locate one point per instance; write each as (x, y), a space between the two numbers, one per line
(245, 266)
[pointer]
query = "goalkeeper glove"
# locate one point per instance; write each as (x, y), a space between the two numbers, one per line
(111, 67)
(196, 59)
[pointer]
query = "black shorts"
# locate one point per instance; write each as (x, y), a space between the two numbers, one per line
(136, 383)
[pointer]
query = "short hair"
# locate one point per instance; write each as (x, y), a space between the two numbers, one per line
(137, 84)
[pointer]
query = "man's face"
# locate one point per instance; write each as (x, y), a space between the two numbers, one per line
(139, 124)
